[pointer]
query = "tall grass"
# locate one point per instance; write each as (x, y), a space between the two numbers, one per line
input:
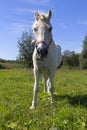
(70, 96)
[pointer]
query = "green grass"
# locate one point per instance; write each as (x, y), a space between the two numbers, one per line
(70, 95)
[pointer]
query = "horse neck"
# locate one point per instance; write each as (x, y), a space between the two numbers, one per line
(52, 46)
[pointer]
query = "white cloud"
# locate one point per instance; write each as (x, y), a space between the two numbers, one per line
(23, 10)
(37, 2)
(63, 25)
(18, 28)
(83, 22)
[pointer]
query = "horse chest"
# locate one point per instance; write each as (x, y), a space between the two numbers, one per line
(43, 66)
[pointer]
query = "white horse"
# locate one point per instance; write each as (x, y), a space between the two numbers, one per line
(47, 55)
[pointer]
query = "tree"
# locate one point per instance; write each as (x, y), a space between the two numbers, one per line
(66, 58)
(26, 48)
(83, 56)
(70, 59)
(74, 59)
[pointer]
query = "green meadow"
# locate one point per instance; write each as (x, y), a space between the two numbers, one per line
(70, 101)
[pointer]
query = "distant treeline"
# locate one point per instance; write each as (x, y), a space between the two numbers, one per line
(10, 64)
(71, 59)
(10, 61)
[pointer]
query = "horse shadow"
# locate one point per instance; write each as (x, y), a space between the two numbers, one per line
(79, 100)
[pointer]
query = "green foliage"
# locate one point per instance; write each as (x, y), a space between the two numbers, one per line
(1, 66)
(70, 59)
(2, 60)
(10, 64)
(2, 63)
(70, 106)
(83, 56)
(26, 48)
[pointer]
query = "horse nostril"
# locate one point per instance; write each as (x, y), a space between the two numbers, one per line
(46, 51)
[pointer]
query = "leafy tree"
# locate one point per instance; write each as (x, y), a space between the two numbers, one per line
(70, 59)
(66, 58)
(74, 59)
(26, 48)
(83, 56)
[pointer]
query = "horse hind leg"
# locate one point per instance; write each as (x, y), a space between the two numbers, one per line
(48, 86)
(45, 83)
(50, 90)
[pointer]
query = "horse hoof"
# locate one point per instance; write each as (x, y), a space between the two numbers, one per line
(32, 107)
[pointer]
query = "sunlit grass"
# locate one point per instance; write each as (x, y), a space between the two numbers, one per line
(70, 107)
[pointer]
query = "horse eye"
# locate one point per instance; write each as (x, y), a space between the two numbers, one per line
(35, 29)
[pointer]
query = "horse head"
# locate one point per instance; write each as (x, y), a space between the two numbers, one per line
(42, 31)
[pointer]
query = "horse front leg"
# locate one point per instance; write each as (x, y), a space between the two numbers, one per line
(36, 88)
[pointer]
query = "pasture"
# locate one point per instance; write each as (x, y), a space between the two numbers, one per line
(70, 95)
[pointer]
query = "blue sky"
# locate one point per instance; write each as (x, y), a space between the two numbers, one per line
(69, 21)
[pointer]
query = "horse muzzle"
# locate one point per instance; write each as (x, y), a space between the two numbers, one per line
(42, 51)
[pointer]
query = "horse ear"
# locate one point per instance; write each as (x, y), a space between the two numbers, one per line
(36, 15)
(49, 14)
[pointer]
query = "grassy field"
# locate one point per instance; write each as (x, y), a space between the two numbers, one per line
(70, 95)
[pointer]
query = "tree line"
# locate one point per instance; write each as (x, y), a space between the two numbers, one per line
(70, 58)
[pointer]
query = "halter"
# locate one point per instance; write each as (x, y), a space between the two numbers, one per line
(43, 42)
